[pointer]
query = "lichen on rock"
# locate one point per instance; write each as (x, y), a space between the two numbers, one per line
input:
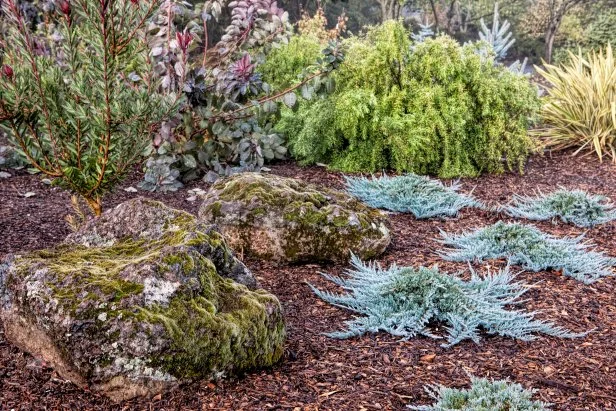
(144, 220)
(133, 314)
(286, 220)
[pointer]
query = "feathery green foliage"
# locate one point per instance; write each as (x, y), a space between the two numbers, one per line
(420, 195)
(580, 107)
(570, 206)
(438, 108)
(530, 248)
(285, 65)
(405, 301)
(80, 106)
(484, 395)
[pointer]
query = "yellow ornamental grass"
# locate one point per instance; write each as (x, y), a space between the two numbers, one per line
(580, 108)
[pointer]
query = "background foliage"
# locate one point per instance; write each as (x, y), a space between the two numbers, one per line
(586, 23)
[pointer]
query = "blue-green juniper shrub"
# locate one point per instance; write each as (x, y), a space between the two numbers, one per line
(483, 395)
(420, 195)
(570, 206)
(405, 301)
(529, 247)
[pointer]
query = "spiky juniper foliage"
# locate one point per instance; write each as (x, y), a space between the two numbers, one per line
(420, 195)
(499, 36)
(425, 32)
(571, 206)
(530, 248)
(404, 301)
(519, 67)
(484, 395)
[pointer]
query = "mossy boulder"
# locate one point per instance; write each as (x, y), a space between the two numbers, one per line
(142, 219)
(139, 312)
(286, 220)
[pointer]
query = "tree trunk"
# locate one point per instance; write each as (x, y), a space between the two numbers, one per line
(390, 9)
(550, 34)
(384, 16)
(556, 17)
(383, 10)
(435, 15)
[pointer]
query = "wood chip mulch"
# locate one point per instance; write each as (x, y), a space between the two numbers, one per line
(375, 371)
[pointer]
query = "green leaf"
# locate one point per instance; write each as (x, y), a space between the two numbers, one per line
(290, 99)
(189, 161)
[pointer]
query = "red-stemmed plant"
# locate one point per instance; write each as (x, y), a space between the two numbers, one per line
(82, 111)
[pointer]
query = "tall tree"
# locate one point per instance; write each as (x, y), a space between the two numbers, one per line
(557, 9)
(390, 9)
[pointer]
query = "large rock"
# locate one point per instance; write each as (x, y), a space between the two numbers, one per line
(137, 302)
(144, 220)
(285, 220)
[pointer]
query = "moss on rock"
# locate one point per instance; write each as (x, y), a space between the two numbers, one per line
(145, 220)
(140, 314)
(284, 219)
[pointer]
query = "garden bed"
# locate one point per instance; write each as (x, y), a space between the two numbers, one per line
(375, 371)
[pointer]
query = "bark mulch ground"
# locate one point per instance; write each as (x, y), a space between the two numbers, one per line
(371, 372)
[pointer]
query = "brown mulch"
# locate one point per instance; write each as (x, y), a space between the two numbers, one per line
(374, 371)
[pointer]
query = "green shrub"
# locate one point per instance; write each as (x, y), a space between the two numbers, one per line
(81, 110)
(439, 108)
(224, 124)
(285, 65)
(484, 395)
